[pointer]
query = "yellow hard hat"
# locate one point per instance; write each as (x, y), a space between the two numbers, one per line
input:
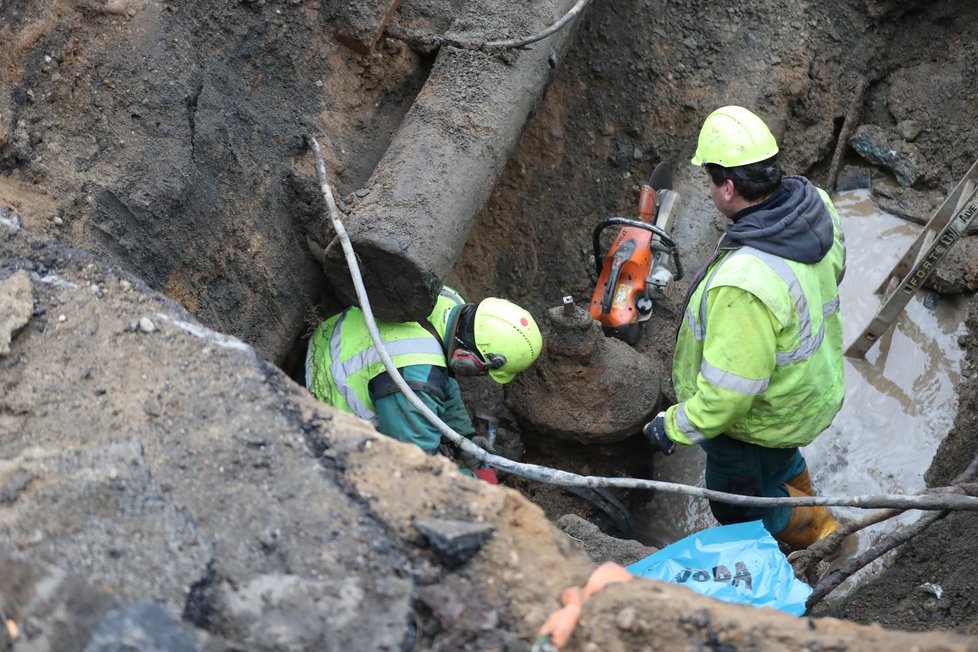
(733, 136)
(505, 333)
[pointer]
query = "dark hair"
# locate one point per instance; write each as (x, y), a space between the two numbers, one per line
(753, 181)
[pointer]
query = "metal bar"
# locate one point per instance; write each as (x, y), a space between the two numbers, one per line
(940, 218)
(945, 227)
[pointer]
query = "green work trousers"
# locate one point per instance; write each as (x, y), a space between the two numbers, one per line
(736, 467)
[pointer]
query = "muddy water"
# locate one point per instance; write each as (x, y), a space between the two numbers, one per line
(900, 400)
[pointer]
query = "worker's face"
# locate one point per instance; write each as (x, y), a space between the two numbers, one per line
(723, 195)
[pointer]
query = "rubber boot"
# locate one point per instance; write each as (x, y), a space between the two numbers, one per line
(803, 483)
(806, 525)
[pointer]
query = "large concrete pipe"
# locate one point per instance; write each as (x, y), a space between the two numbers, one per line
(449, 151)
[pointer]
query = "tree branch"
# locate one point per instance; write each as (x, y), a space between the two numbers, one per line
(828, 546)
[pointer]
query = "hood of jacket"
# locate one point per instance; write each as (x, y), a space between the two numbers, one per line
(793, 223)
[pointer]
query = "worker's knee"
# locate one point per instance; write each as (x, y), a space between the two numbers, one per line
(728, 514)
(774, 518)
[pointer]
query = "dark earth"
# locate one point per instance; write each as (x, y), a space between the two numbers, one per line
(165, 484)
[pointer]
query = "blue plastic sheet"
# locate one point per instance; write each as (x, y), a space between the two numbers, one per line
(739, 563)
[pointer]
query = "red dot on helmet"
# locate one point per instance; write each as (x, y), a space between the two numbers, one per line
(524, 322)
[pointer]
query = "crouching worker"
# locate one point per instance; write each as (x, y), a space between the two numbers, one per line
(494, 337)
(758, 366)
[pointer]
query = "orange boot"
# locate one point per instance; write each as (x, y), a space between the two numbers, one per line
(803, 483)
(806, 525)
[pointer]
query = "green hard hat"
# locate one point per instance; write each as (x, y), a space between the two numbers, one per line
(503, 328)
(732, 136)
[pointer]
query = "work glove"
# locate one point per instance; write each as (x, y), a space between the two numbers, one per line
(470, 462)
(655, 430)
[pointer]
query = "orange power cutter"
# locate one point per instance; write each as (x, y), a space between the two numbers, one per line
(632, 274)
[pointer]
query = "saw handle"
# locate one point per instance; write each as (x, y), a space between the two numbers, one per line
(666, 240)
(674, 253)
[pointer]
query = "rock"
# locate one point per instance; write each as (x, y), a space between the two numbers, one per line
(144, 627)
(45, 604)
(599, 546)
(14, 484)
(8, 218)
(958, 272)
(886, 149)
(853, 178)
(454, 542)
(153, 407)
(908, 203)
(279, 611)
(626, 618)
(359, 25)
(16, 307)
(909, 129)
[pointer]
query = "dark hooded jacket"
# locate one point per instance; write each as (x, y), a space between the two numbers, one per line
(793, 223)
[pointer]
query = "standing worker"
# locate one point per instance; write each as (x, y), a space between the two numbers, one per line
(758, 366)
(343, 368)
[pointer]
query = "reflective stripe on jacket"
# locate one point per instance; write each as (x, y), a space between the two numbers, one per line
(341, 359)
(759, 351)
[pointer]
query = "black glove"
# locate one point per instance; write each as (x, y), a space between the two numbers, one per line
(468, 460)
(655, 430)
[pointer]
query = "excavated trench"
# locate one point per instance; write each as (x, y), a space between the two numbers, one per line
(908, 382)
(495, 197)
(582, 158)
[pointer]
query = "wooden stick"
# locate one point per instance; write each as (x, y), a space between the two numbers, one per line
(830, 544)
(829, 583)
(846, 132)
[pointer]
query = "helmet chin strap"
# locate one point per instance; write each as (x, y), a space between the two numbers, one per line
(461, 360)
(460, 333)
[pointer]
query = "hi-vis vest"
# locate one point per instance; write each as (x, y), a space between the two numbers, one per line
(798, 400)
(341, 359)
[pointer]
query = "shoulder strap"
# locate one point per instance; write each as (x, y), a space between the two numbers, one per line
(428, 326)
(383, 385)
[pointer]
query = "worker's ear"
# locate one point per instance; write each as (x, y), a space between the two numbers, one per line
(728, 190)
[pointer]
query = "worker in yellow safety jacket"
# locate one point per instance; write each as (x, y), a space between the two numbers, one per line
(495, 337)
(758, 365)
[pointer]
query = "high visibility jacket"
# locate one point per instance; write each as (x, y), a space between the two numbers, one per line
(759, 351)
(341, 359)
